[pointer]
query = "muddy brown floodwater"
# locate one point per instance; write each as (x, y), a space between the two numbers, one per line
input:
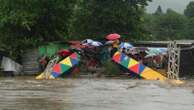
(93, 94)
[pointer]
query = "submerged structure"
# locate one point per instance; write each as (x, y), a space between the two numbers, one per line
(86, 53)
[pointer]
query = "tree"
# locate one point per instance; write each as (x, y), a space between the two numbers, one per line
(189, 11)
(101, 17)
(148, 26)
(170, 26)
(159, 11)
(189, 32)
(24, 23)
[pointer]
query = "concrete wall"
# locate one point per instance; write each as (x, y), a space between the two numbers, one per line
(187, 63)
(30, 62)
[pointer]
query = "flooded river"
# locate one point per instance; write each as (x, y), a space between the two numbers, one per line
(93, 94)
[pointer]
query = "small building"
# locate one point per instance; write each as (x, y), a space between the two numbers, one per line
(9, 67)
(186, 54)
(30, 60)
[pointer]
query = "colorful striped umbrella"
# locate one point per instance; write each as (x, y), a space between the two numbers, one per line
(125, 45)
(65, 65)
(136, 67)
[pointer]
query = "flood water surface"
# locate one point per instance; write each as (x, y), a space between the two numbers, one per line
(92, 94)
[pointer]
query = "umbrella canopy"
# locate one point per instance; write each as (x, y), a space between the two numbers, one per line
(109, 42)
(86, 41)
(78, 46)
(156, 51)
(65, 65)
(64, 52)
(74, 42)
(125, 45)
(96, 43)
(90, 42)
(114, 36)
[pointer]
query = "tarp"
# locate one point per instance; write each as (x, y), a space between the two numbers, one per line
(9, 65)
(156, 51)
(90, 42)
(125, 45)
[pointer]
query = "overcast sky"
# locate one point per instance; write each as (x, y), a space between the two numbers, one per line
(177, 5)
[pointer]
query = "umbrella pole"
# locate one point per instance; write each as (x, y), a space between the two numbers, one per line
(49, 67)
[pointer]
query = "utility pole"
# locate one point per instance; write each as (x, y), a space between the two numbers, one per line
(173, 60)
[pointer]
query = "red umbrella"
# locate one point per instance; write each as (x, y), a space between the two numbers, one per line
(78, 46)
(64, 53)
(113, 36)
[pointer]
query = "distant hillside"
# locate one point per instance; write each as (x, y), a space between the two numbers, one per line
(177, 5)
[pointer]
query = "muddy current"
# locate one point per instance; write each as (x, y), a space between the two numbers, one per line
(94, 94)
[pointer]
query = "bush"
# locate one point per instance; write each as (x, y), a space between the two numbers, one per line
(111, 69)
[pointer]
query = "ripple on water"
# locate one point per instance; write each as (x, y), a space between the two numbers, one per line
(92, 94)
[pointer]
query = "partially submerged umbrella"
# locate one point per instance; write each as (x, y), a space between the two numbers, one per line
(64, 52)
(90, 42)
(65, 65)
(114, 36)
(109, 42)
(96, 44)
(156, 51)
(86, 41)
(125, 45)
(78, 46)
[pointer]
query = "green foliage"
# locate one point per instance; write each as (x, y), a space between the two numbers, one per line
(149, 26)
(111, 68)
(165, 26)
(170, 25)
(189, 11)
(189, 32)
(96, 18)
(159, 11)
(26, 23)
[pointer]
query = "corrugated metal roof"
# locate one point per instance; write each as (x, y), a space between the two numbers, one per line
(181, 43)
(166, 42)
